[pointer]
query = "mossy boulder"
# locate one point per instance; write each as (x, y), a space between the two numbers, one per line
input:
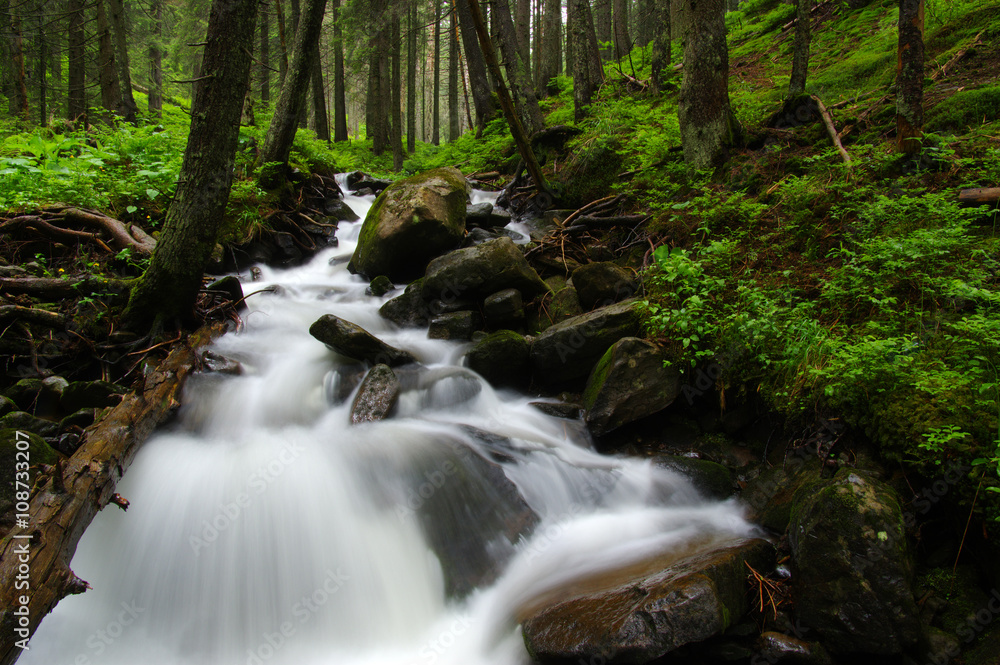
(602, 283)
(711, 479)
(351, 340)
(408, 309)
(455, 325)
(769, 497)
(412, 221)
(567, 351)
(377, 395)
(628, 383)
(854, 568)
(38, 452)
(7, 405)
(24, 421)
(650, 613)
(502, 358)
(476, 272)
(504, 309)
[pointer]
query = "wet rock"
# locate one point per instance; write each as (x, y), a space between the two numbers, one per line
(502, 358)
(854, 569)
(650, 614)
(565, 304)
(478, 236)
(25, 393)
(380, 286)
(38, 451)
(340, 211)
(230, 287)
(408, 309)
(769, 496)
(504, 309)
(478, 214)
(499, 218)
(455, 325)
(21, 420)
(217, 363)
(54, 385)
(82, 419)
(7, 405)
(476, 272)
(777, 647)
(628, 383)
(91, 395)
(567, 410)
(412, 221)
(570, 349)
(358, 180)
(377, 395)
(603, 283)
(711, 479)
(67, 443)
(942, 646)
(353, 341)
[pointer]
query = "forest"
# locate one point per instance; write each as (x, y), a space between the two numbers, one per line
(766, 228)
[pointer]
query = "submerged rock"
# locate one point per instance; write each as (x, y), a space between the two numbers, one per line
(648, 615)
(476, 272)
(711, 479)
(777, 647)
(377, 395)
(355, 342)
(412, 221)
(628, 383)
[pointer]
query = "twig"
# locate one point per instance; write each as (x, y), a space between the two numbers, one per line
(832, 130)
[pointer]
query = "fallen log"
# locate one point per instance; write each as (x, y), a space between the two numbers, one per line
(979, 196)
(831, 129)
(10, 313)
(943, 71)
(66, 498)
(54, 288)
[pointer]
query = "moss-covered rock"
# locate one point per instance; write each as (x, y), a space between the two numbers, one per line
(711, 479)
(501, 358)
(504, 309)
(22, 420)
(409, 309)
(38, 452)
(602, 283)
(854, 566)
(476, 272)
(455, 325)
(91, 395)
(412, 221)
(353, 341)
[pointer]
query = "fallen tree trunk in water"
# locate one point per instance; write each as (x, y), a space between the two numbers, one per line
(35, 555)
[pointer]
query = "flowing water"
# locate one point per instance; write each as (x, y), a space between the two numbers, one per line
(265, 528)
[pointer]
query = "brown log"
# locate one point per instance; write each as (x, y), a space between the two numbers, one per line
(53, 288)
(979, 196)
(831, 129)
(67, 497)
(43, 317)
(119, 234)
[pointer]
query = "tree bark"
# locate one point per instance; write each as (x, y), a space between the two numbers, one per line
(602, 24)
(43, 57)
(518, 73)
(17, 89)
(800, 55)
(708, 126)
(453, 117)
(264, 70)
(587, 70)
(623, 43)
(69, 495)
(339, 97)
(111, 95)
(282, 42)
(436, 119)
(411, 77)
(128, 108)
(662, 47)
(291, 99)
(522, 32)
(169, 287)
(479, 81)
(156, 60)
(646, 11)
(77, 64)
(397, 94)
(551, 46)
(320, 124)
(910, 77)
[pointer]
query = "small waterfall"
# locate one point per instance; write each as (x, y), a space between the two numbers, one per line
(263, 528)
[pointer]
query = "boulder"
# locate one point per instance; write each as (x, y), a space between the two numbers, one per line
(21, 420)
(7, 405)
(25, 393)
(566, 410)
(230, 288)
(377, 395)
(770, 495)
(359, 180)
(38, 452)
(478, 214)
(711, 479)
(216, 363)
(91, 395)
(379, 286)
(407, 309)
(854, 569)
(602, 283)
(647, 615)
(565, 304)
(501, 358)
(353, 341)
(455, 325)
(412, 221)
(569, 350)
(339, 210)
(775, 647)
(628, 383)
(504, 309)
(476, 272)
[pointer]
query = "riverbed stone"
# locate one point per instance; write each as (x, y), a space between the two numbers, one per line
(376, 397)
(38, 452)
(411, 222)
(455, 325)
(408, 309)
(649, 614)
(775, 647)
(504, 309)
(353, 341)
(476, 272)
(711, 479)
(568, 350)
(379, 286)
(502, 358)
(7, 405)
(628, 383)
(854, 568)
(602, 283)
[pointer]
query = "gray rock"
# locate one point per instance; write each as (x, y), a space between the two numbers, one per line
(377, 395)
(569, 350)
(353, 341)
(216, 363)
(476, 272)
(25, 422)
(478, 214)
(54, 385)
(559, 409)
(412, 221)
(501, 358)
(603, 283)
(711, 479)
(340, 211)
(230, 287)
(854, 568)
(628, 383)
(379, 286)
(649, 614)
(409, 309)
(777, 647)
(454, 325)
(504, 309)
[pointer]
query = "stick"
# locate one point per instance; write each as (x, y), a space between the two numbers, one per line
(832, 130)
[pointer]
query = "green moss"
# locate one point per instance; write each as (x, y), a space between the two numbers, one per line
(38, 452)
(966, 109)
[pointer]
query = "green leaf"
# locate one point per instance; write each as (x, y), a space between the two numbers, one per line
(152, 193)
(130, 209)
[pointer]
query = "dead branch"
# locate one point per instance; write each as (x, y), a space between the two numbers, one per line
(9, 313)
(54, 288)
(831, 129)
(943, 71)
(119, 234)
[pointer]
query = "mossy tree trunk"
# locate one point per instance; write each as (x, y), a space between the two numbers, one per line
(169, 287)
(708, 126)
(661, 55)
(479, 80)
(127, 106)
(518, 73)
(587, 69)
(800, 50)
(77, 63)
(910, 76)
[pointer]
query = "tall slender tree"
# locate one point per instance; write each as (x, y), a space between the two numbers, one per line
(602, 23)
(800, 50)
(397, 93)
(411, 76)
(551, 55)
(264, 68)
(661, 52)
(619, 19)
(454, 120)
(588, 72)
(111, 95)
(910, 77)
(339, 92)
(155, 53)
(436, 115)
(522, 28)
(127, 107)
(518, 73)
(479, 81)
(76, 104)
(319, 122)
(16, 88)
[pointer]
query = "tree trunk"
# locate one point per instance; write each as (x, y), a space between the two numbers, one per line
(551, 46)
(646, 12)
(570, 46)
(453, 117)
(708, 126)
(156, 60)
(518, 74)
(536, 59)
(169, 287)
(623, 43)
(602, 24)
(436, 119)
(292, 98)
(128, 108)
(43, 92)
(17, 88)
(411, 77)
(661, 55)
(320, 124)
(76, 64)
(800, 54)
(70, 494)
(110, 83)
(586, 58)
(522, 32)
(55, 51)
(339, 98)
(482, 91)
(264, 70)
(910, 77)
(397, 94)
(282, 42)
